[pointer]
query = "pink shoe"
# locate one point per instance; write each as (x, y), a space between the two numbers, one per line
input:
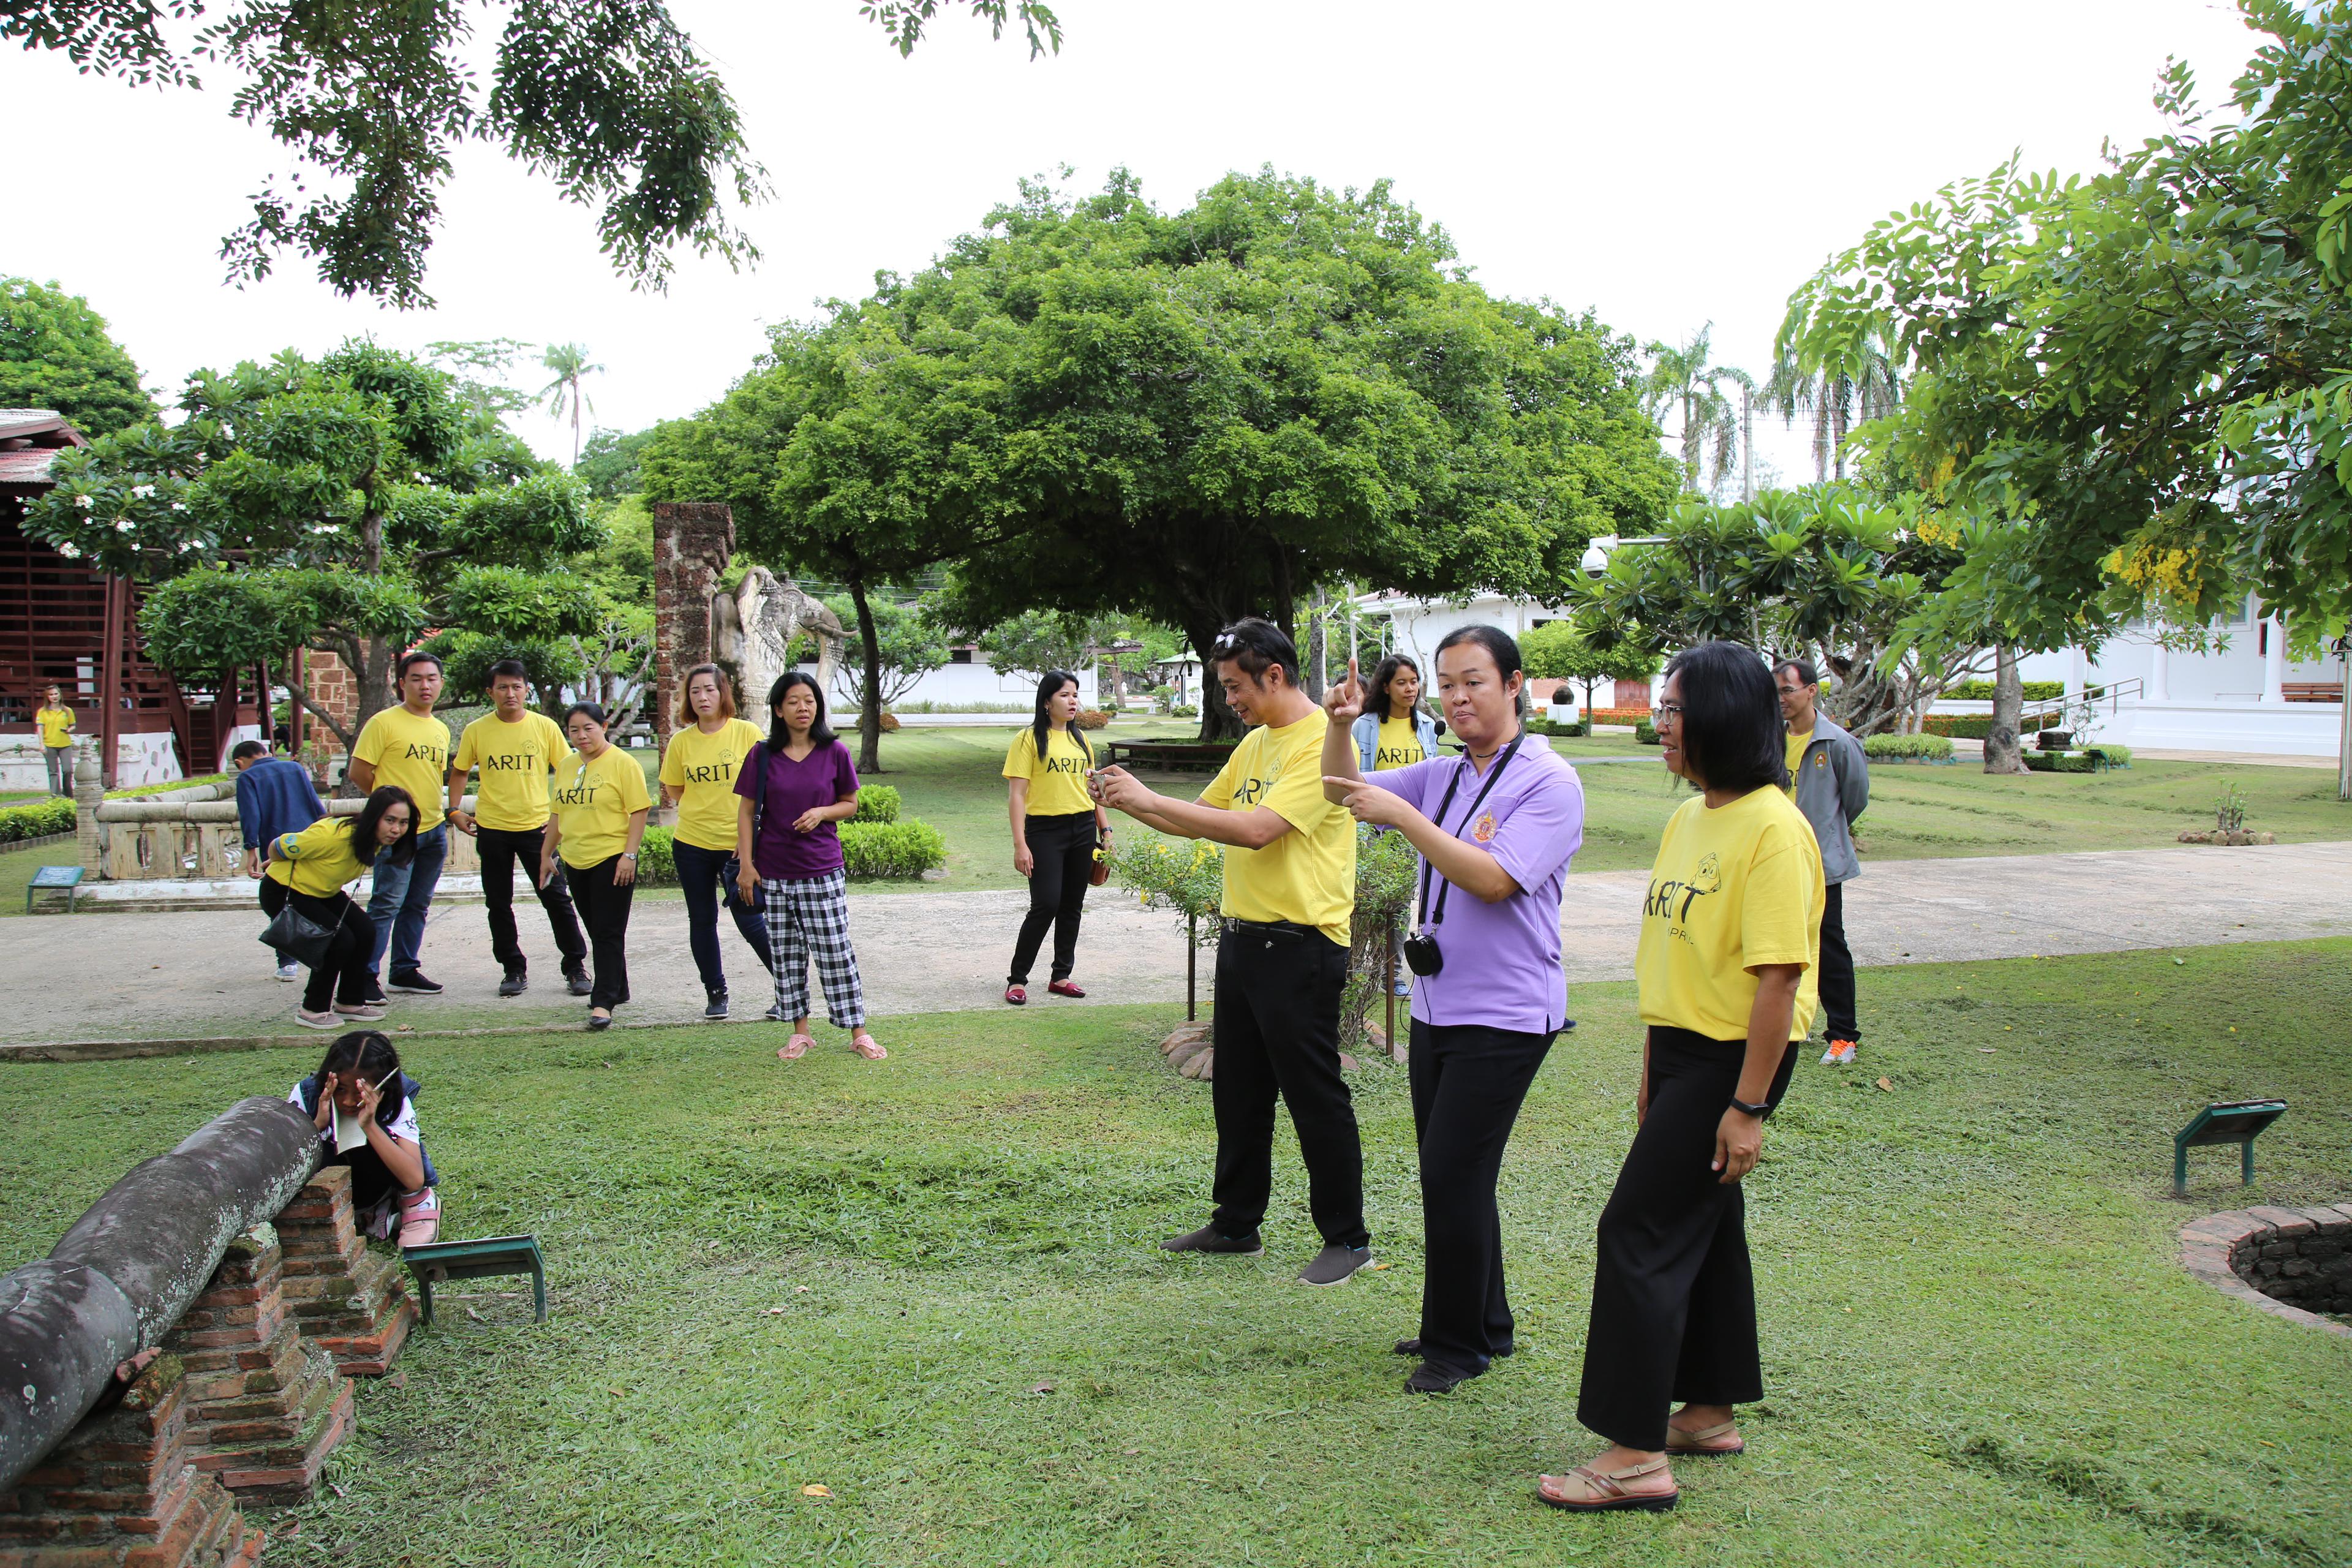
(420, 1217)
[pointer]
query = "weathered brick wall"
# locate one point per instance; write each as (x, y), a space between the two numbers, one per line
(2295, 1263)
(354, 1302)
(693, 542)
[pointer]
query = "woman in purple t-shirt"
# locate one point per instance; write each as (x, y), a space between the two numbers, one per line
(1496, 828)
(797, 787)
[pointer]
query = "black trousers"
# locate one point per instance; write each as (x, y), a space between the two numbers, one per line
(1065, 850)
(706, 878)
(1673, 1304)
(499, 848)
(342, 975)
(1837, 969)
(604, 910)
(1468, 1081)
(1277, 1033)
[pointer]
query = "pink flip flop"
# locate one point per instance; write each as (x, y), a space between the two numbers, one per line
(796, 1047)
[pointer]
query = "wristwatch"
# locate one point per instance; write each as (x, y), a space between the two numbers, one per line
(1759, 1111)
(629, 855)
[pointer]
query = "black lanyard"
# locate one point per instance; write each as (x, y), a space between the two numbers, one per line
(1444, 804)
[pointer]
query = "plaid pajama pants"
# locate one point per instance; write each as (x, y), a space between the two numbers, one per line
(809, 917)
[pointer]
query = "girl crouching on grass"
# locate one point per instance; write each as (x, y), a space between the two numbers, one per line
(392, 1180)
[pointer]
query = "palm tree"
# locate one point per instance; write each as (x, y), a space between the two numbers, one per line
(570, 364)
(1681, 379)
(1842, 389)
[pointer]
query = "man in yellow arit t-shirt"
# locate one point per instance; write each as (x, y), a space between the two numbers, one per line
(409, 747)
(56, 725)
(1282, 958)
(515, 752)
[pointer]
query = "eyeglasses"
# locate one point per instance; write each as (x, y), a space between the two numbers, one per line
(1665, 711)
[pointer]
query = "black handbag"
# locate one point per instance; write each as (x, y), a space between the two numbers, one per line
(292, 931)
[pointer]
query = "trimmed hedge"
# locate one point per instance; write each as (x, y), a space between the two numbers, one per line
(1977, 726)
(876, 803)
(1546, 727)
(907, 847)
(1907, 748)
(2114, 756)
(1981, 692)
(38, 820)
(2062, 762)
(1091, 719)
(1645, 733)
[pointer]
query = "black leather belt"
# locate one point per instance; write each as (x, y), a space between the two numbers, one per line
(1234, 926)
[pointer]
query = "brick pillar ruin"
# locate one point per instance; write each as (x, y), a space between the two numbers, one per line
(354, 1302)
(693, 541)
(121, 1493)
(266, 1405)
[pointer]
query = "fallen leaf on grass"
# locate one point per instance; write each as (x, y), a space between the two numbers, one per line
(476, 1316)
(776, 1311)
(813, 1490)
(1984, 1050)
(1041, 1388)
(397, 1380)
(1130, 1453)
(1887, 1085)
(1376, 1266)
(800, 1290)
(405, 1029)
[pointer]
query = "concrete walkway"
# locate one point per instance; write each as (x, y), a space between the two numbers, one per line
(200, 975)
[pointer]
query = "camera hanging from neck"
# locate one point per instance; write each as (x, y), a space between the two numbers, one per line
(1420, 953)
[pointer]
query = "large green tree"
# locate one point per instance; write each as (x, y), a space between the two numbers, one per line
(1202, 414)
(2139, 383)
(609, 98)
(346, 504)
(55, 353)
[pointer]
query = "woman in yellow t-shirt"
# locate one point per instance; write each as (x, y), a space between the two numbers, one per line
(600, 806)
(706, 750)
(56, 725)
(1057, 830)
(1726, 971)
(309, 870)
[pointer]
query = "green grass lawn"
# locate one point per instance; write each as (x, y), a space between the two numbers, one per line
(930, 1285)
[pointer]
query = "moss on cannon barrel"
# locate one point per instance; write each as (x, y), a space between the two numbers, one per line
(129, 1267)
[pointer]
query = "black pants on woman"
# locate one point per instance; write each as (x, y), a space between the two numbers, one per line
(706, 878)
(1467, 1083)
(1673, 1304)
(604, 910)
(1063, 847)
(1838, 1021)
(342, 975)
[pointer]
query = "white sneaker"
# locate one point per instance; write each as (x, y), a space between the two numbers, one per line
(289, 971)
(365, 1012)
(329, 1019)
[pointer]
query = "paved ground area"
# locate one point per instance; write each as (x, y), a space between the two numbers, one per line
(200, 975)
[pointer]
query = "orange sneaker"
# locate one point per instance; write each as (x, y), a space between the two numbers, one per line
(1838, 1054)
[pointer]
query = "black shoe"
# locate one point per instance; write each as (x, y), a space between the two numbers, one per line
(1335, 1263)
(373, 994)
(594, 1022)
(716, 1008)
(415, 984)
(775, 1014)
(576, 981)
(514, 985)
(1430, 1377)
(1206, 1239)
(1412, 1348)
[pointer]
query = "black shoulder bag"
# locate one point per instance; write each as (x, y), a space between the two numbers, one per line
(1420, 954)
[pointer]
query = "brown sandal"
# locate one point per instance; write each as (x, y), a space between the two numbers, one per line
(1598, 1491)
(1681, 1442)
(867, 1045)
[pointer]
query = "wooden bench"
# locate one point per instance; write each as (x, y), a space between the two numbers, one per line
(2312, 691)
(54, 878)
(1168, 756)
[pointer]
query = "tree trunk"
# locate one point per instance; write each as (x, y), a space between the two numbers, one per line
(869, 714)
(1747, 444)
(2003, 747)
(1218, 721)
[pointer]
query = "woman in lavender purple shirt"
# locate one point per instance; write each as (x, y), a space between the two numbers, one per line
(797, 787)
(1495, 828)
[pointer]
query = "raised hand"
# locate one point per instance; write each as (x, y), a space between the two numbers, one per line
(1344, 700)
(1369, 803)
(326, 1111)
(369, 1096)
(1118, 788)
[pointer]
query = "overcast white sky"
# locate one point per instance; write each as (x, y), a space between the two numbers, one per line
(1667, 165)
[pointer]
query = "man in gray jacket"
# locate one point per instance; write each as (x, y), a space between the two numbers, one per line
(1830, 782)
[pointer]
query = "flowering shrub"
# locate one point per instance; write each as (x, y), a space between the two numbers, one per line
(1186, 877)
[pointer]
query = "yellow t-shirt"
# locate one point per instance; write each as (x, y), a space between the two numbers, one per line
(1732, 889)
(1058, 787)
(701, 768)
(56, 725)
(1399, 746)
(1307, 875)
(594, 801)
(413, 752)
(515, 761)
(318, 860)
(1796, 755)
